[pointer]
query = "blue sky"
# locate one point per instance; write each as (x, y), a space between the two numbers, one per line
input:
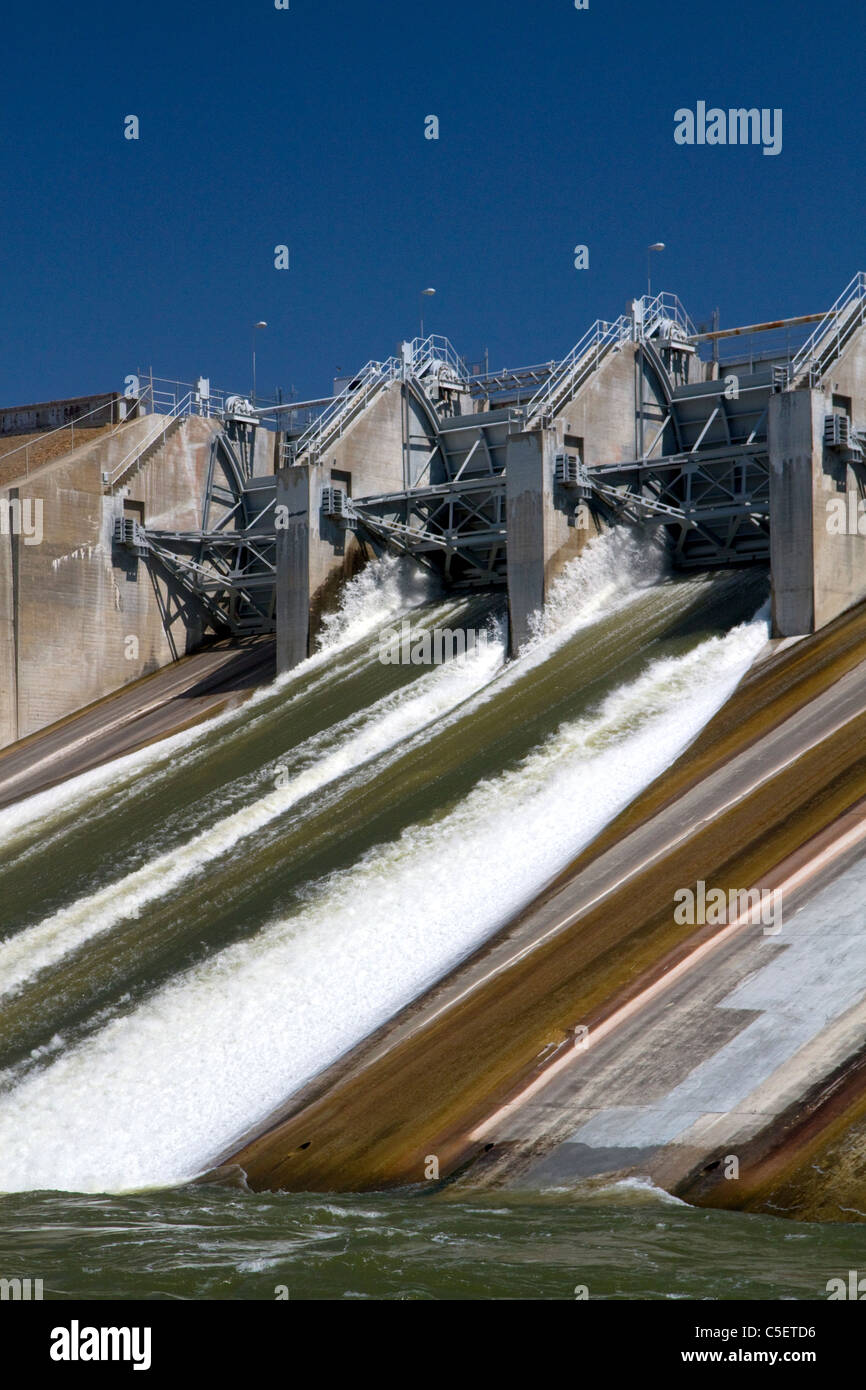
(306, 127)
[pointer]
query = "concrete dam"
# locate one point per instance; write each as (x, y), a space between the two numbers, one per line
(286, 907)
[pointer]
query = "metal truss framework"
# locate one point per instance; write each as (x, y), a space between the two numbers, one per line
(457, 529)
(714, 505)
(229, 565)
(456, 526)
(711, 493)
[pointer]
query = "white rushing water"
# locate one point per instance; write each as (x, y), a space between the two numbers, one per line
(384, 590)
(335, 756)
(604, 580)
(158, 1092)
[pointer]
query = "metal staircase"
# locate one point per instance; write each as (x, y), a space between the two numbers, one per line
(585, 358)
(146, 448)
(423, 358)
(826, 344)
(344, 409)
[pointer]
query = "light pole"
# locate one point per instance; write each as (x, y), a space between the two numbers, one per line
(656, 246)
(427, 294)
(261, 324)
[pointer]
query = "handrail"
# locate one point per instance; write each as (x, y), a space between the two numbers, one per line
(436, 348)
(170, 390)
(596, 340)
(420, 355)
(853, 293)
(140, 448)
(343, 408)
(664, 307)
(47, 434)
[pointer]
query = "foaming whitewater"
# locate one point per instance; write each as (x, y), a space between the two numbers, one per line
(601, 579)
(385, 588)
(159, 1092)
(606, 578)
(338, 754)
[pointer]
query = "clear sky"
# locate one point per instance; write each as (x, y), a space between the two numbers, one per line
(305, 127)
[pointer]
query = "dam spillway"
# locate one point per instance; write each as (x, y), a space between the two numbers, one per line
(227, 938)
(262, 904)
(432, 677)
(604, 1034)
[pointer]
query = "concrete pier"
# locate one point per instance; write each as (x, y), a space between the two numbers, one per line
(818, 551)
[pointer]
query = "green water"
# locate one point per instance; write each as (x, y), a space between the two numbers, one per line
(207, 1243)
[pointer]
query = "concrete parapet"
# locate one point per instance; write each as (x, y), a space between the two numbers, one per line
(817, 546)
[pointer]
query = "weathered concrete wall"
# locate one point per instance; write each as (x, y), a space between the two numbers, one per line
(847, 377)
(315, 557)
(528, 498)
(266, 447)
(8, 644)
(372, 449)
(293, 493)
(547, 526)
(840, 546)
(78, 617)
(817, 549)
(839, 537)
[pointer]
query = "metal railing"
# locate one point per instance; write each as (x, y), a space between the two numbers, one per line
(762, 348)
(425, 353)
(663, 311)
(181, 409)
(573, 370)
(167, 397)
(824, 345)
(342, 411)
(420, 356)
(40, 437)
